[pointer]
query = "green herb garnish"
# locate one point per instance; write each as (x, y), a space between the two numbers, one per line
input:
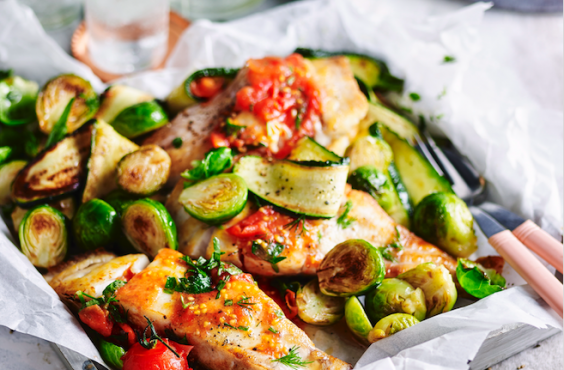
(414, 96)
(151, 341)
(344, 220)
(107, 301)
(215, 162)
(449, 59)
(271, 329)
(232, 129)
(269, 252)
(292, 359)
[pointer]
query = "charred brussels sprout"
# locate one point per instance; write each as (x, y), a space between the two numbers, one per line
(8, 172)
(445, 220)
(351, 268)
(55, 96)
(216, 199)
(377, 184)
(316, 308)
(139, 119)
(116, 98)
(436, 283)
(43, 236)
(111, 354)
(390, 325)
(356, 318)
(477, 280)
(395, 296)
(144, 171)
(95, 224)
(17, 100)
(148, 226)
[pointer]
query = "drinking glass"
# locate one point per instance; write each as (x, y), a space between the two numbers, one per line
(126, 36)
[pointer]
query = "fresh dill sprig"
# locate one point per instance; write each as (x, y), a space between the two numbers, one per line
(296, 223)
(292, 359)
(344, 220)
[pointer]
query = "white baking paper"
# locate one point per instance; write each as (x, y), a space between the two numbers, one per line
(481, 107)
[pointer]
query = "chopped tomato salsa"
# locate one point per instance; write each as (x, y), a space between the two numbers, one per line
(207, 87)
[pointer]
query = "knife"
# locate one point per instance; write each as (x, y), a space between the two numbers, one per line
(534, 238)
(522, 260)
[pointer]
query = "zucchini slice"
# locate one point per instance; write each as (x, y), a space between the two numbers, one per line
(149, 227)
(116, 98)
(387, 117)
(314, 191)
(56, 172)
(419, 177)
(369, 150)
(8, 172)
(215, 200)
(108, 148)
(309, 150)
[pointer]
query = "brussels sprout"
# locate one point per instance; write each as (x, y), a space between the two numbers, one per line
(390, 325)
(119, 200)
(95, 224)
(8, 172)
(369, 150)
(316, 308)
(437, 284)
(445, 220)
(144, 171)
(215, 200)
(43, 236)
(477, 280)
(356, 318)
(351, 268)
(23, 140)
(111, 354)
(376, 183)
(395, 296)
(116, 98)
(140, 119)
(55, 96)
(17, 100)
(148, 226)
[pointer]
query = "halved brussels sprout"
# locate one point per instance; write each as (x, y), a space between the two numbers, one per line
(395, 296)
(370, 150)
(437, 284)
(116, 98)
(111, 354)
(356, 318)
(119, 200)
(376, 183)
(477, 280)
(215, 200)
(351, 268)
(65, 206)
(55, 96)
(390, 325)
(17, 100)
(43, 236)
(139, 119)
(316, 308)
(149, 227)
(144, 171)
(445, 220)
(95, 224)
(8, 172)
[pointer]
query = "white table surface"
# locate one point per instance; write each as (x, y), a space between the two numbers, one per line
(529, 44)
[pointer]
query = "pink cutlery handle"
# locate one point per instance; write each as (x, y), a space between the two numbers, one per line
(540, 242)
(530, 269)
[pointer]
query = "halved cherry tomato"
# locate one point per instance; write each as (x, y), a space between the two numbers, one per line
(131, 337)
(218, 139)
(98, 319)
(290, 299)
(266, 221)
(207, 87)
(157, 358)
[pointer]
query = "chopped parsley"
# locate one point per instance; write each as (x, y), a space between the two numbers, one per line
(271, 329)
(108, 301)
(268, 251)
(244, 303)
(292, 359)
(177, 142)
(387, 251)
(414, 96)
(449, 59)
(228, 302)
(344, 220)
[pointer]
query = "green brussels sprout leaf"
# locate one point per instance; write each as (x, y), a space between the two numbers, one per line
(17, 100)
(111, 354)
(476, 280)
(5, 152)
(60, 129)
(215, 162)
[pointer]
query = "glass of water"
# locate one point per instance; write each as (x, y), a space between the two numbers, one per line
(126, 36)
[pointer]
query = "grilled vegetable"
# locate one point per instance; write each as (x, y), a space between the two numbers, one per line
(391, 120)
(111, 354)
(309, 150)
(351, 268)
(370, 150)
(390, 325)
(66, 206)
(356, 318)
(205, 83)
(140, 119)
(5, 152)
(95, 224)
(8, 172)
(419, 177)
(477, 280)
(60, 128)
(281, 183)
(116, 98)
(43, 236)
(56, 172)
(395, 296)
(144, 171)
(445, 220)
(367, 91)
(55, 96)
(148, 226)
(215, 162)
(23, 140)
(17, 100)
(436, 283)
(178, 100)
(108, 148)
(215, 200)
(119, 199)
(316, 308)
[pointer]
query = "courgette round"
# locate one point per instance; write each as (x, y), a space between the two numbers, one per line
(215, 200)
(144, 171)
(95, 224)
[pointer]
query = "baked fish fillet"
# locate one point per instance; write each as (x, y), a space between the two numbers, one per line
(243, 328)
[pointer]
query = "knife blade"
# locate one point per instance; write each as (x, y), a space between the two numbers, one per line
(505, 217)
(487, 223)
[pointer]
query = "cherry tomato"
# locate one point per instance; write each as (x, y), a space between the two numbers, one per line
(98, 319)
(207, 87)
(263, 222)
(157, 358)
(218, 139)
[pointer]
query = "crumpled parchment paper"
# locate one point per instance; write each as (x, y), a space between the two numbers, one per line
(485, 111)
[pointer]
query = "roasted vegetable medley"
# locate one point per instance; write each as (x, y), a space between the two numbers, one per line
(264, 197)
